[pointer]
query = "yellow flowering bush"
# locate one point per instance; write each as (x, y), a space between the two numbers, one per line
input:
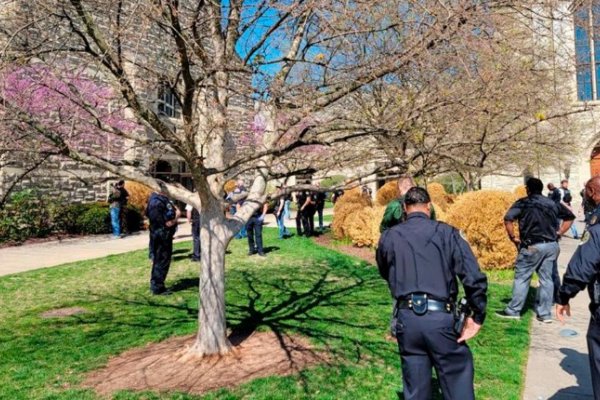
(138, 194)
(520, 191)
(362, 226)
(386, 193)
(480, 215)
(340, 214)
(439, 196)
(440, 214)
(229, 186)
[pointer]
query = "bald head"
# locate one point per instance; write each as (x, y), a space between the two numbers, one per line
(405, 182)
(592, 190)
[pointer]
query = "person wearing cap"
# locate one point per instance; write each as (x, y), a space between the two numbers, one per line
(422, 261)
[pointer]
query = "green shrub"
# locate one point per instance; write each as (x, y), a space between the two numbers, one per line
(94, 218)
(334, 180)
(133, 219)
(25, 216)
(30, 215)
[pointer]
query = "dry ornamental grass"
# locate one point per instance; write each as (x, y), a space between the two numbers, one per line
(480, 215)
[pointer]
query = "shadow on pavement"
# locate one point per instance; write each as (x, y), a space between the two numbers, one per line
(575, 363)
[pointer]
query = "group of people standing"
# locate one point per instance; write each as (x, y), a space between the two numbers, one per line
(422, 260)
(308, 204)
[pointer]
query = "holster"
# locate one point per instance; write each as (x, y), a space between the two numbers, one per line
(462, 312)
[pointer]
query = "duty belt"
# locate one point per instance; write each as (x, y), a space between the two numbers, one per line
(420, 304)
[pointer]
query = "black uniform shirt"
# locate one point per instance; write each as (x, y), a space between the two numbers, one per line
(425, 256)
(583, 267)
(538, 218)
(159, 211)
(300, 199)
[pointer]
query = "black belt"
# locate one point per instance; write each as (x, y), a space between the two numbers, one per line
(420, 304)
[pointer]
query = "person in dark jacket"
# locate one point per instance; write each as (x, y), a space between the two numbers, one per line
(553, 193)
(163, 215)
(539, 230)
(422, 261)
(583, 271)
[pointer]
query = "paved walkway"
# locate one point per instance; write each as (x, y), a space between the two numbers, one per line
(48, 254)
(558, 368)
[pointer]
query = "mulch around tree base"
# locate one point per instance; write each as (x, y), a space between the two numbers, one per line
(364, 253)
(168, 366)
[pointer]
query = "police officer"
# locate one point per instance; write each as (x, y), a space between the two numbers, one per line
(163, 215)
(539, 231)
(421, 259)
(301, 198)
(584, 270)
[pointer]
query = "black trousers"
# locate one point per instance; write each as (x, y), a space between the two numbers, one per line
(428, 341)
(308, 221)
(299, 218)
(162, 250)
(593, 342)
(196, 239)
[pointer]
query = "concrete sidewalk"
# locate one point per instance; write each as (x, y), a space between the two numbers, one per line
(48, 254)
(557, 368)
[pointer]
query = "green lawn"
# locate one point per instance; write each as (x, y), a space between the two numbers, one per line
(338, 302)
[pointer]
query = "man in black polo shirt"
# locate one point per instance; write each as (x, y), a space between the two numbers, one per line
(539, 232)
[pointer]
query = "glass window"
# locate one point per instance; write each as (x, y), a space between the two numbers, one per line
(167, 103)
(587, 51)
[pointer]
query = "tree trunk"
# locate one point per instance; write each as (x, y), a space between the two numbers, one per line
(214, 239)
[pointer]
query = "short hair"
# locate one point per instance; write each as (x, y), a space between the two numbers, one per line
(534, 185)
(121, 182)
(563, 181)
(416, 195)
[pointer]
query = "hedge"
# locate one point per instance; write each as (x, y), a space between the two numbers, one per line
(28, 214)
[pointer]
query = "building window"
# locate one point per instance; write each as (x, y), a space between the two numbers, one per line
(167, 103)
(587, 51)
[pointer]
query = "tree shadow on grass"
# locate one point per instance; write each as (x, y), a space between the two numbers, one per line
(340, 306)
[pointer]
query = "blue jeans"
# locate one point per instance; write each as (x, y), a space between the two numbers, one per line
(540, 258)
(242, 233)
(286, 209)
(280, 224)
(574, 231)
(115, 212)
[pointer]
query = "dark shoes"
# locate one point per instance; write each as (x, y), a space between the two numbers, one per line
(505, 315)
(251, 253)
(544, 320)
(163, 292)
(195, 259)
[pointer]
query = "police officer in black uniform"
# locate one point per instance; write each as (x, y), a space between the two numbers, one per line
(163, 215)
(421, 259)
(584, 270)
(300, 217)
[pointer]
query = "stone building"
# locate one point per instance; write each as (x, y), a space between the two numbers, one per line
(77, 182)
(572, 30)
